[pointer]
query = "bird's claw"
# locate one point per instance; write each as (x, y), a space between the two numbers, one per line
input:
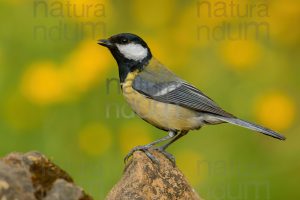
(144, 149)
(166, 154)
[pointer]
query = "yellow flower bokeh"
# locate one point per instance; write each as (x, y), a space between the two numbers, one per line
(197, 23)
(86, 65)
(161, 50)
(285, 21)
(275, 110)
(82, 10)
(188, 161)
(131, 135)
(42, 83)
(95, 139)
(46, 83)
(157, 13)
(240, 54)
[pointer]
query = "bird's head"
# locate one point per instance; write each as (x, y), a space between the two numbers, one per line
(128, 49)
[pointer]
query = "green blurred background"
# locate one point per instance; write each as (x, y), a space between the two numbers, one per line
(244, 54)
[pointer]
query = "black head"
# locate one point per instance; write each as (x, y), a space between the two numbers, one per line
(130, 51)
(127, 47)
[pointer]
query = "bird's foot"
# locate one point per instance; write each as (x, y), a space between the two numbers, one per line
(166, 154)
(144, 149)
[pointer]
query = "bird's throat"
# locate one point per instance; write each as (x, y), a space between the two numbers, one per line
(126, 68)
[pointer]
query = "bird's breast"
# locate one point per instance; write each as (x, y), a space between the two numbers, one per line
(162, 115)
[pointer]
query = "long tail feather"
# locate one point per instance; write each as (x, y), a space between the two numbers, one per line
(252, 126)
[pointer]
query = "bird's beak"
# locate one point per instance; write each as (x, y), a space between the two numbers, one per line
(105, 43)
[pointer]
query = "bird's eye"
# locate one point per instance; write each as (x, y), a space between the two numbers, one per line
(124, 40)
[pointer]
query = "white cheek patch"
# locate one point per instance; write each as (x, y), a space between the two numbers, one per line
(133, 51)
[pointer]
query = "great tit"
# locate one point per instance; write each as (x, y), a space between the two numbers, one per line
(163, 99)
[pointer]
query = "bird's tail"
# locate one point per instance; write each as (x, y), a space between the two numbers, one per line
(252, 126)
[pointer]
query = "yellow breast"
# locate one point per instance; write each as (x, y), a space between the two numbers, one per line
(161, 115)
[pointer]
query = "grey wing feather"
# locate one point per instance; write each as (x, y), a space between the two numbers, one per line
(177, 92)
(188, 97)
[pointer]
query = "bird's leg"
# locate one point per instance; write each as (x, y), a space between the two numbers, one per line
(181, 134)
(146, 147)
(163, 148)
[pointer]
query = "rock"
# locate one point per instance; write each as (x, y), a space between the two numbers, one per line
(63, 190)
(143, 179)
(32, 176)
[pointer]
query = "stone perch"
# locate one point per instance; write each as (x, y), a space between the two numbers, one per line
(32, 176)
(145, 180)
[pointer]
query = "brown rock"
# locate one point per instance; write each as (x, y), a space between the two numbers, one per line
(32, 176)
(143, 180)
(62, 189)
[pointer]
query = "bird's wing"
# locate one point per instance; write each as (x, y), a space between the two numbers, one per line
(175, 91)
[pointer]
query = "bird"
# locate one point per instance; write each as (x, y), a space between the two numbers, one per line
(163, 99)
